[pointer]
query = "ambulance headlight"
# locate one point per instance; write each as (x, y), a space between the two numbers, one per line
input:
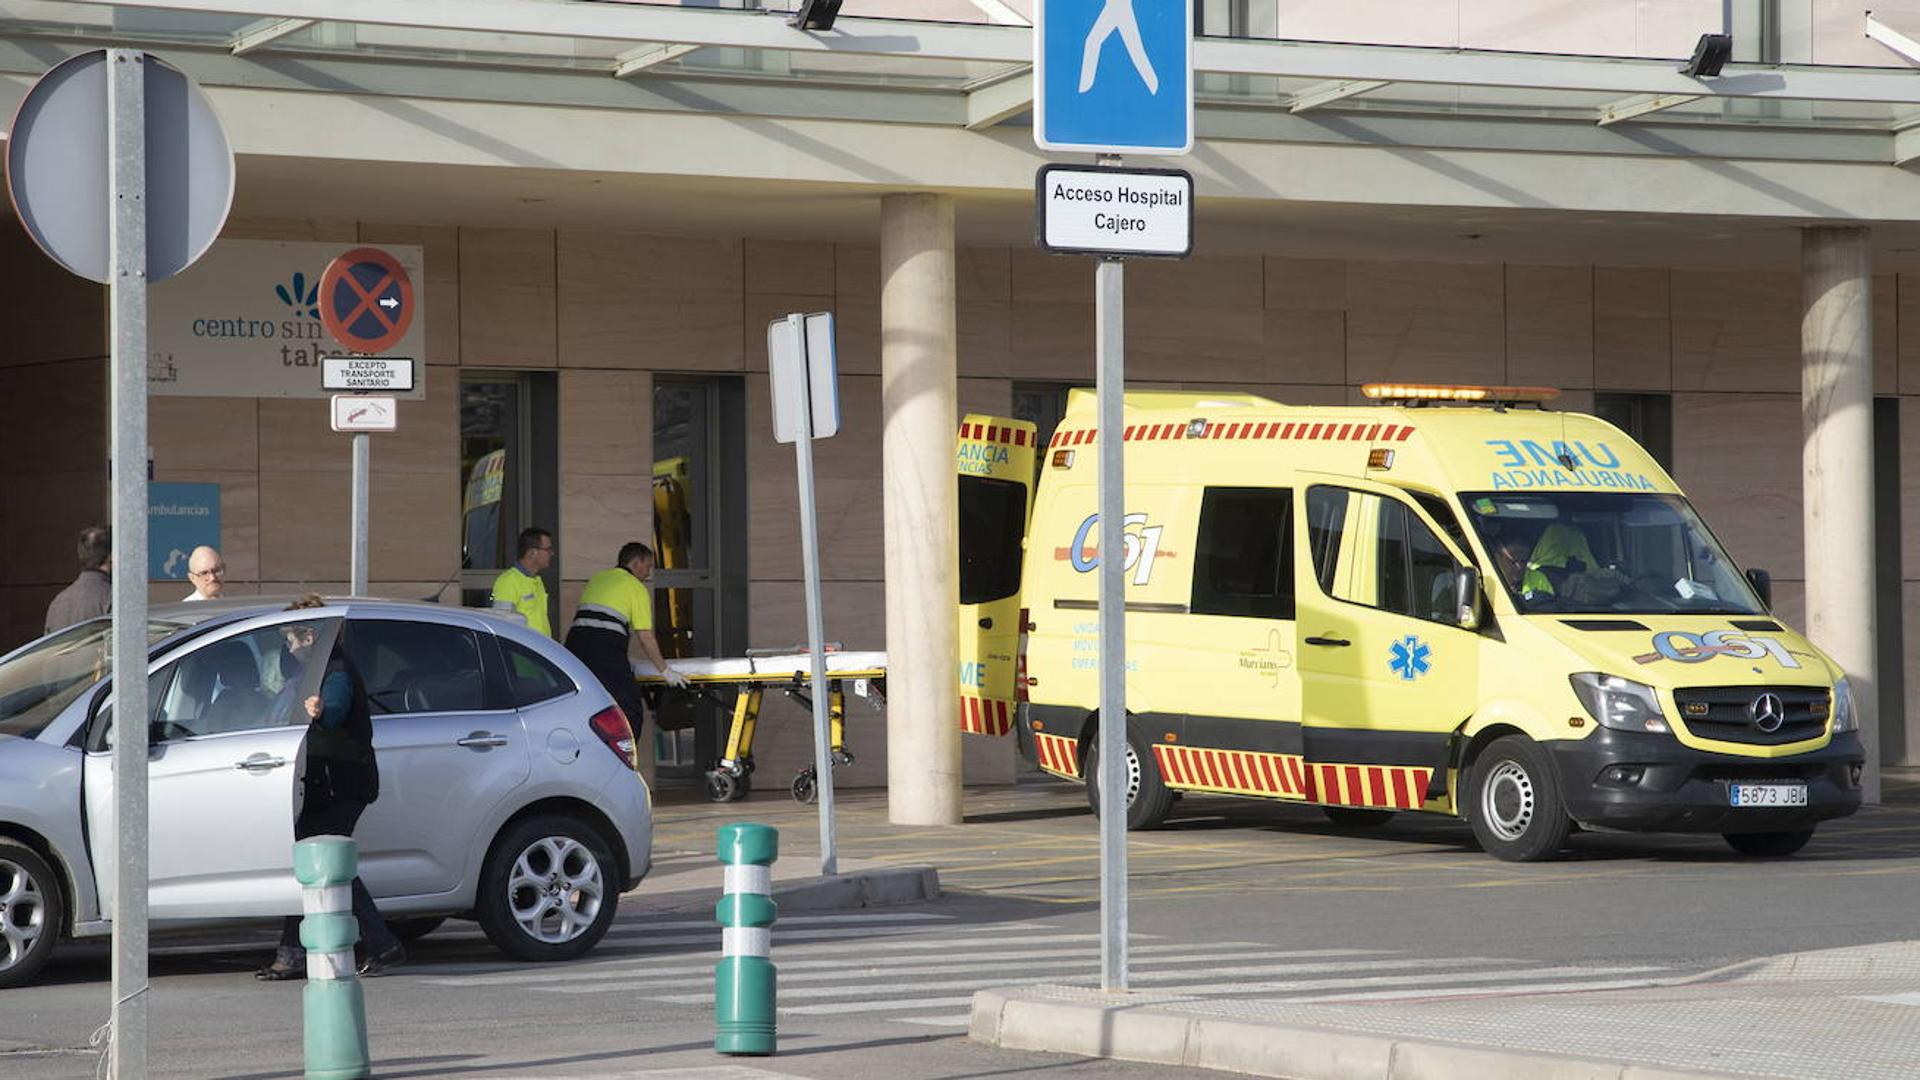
(1844, 718)
(1621, 704)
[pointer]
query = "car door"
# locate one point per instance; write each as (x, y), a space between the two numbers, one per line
(227, 727)
(449, 743)
(1386, 672)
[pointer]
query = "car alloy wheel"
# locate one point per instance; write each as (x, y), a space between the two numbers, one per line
(556, 889)
(23, 913)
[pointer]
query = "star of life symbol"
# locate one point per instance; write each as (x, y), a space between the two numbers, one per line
(1412, 658)
(1116, 18)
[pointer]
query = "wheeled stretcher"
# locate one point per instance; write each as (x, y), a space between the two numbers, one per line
(737, 686)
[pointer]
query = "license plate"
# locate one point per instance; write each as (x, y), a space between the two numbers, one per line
(1768, 794)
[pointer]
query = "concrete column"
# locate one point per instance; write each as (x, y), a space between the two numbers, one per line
(1836, 405)
(918, 387)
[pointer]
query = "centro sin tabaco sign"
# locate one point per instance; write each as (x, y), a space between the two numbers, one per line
(245, 321)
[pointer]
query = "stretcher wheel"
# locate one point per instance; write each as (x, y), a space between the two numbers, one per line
(723, 786)
(805, 789)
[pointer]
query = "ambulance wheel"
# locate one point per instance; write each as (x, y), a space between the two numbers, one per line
(1516, 809)
(1354, 817)
(1148, 798)
(1774, 844)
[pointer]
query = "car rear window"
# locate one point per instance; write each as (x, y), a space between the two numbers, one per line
(535, 678)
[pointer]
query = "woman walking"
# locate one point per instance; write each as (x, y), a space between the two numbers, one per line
(341, 779)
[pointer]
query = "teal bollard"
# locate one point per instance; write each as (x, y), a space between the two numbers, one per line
(743, 982)
(335, 1011)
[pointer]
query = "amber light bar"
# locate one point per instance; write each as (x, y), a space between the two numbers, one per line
(1434, 392)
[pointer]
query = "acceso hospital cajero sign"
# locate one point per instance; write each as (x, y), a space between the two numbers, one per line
(245, 321)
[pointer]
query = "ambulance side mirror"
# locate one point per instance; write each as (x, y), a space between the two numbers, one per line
(1762, 583)
(1466, 598)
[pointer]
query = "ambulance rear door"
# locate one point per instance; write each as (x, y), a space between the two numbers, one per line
(995, 461)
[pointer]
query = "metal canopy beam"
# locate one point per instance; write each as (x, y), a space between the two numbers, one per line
(1906, 145)
(995, 101)
(647, 56)
(1013, 45)
(1899, 41)
(265, 32)
(1327, 93)
(1627, 108)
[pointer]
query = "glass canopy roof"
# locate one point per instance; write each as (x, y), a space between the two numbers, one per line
(965, 47)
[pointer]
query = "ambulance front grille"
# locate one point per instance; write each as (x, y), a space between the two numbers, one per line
(1728, 713)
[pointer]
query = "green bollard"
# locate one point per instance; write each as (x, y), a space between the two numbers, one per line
(335, 1012)
(743, 982)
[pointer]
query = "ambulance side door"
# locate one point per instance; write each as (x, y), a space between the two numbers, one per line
(1386, 672)
(994, 458)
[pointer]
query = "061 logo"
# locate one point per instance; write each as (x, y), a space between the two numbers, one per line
(1140, 546)
(1690, 648)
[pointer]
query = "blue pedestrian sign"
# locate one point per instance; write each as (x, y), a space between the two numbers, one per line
(1113, 76)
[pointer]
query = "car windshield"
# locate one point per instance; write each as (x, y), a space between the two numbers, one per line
(1607, 553)
(40, 681)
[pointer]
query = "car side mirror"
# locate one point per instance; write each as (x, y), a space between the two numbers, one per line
(1466, 598)
(1762, 583)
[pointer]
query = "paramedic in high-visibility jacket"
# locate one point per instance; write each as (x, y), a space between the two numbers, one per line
(520, 587)
(616, 609)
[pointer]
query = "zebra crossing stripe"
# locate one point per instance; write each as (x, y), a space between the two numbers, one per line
(1079, 963)
(866, 988)
(1485, 991)
(642, 975)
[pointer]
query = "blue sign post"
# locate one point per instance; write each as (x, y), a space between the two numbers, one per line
(1113, 76)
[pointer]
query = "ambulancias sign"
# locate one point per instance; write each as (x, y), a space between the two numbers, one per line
(245, 321)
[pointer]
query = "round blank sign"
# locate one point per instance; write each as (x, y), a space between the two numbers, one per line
(57, 158)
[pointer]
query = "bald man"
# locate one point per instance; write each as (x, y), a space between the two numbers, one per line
(208, 572)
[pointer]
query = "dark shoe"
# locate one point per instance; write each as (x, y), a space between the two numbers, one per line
(382, 962)
(279, 972)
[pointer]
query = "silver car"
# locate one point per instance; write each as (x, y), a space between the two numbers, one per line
(507, 786)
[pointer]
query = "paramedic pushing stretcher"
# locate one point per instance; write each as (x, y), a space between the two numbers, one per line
(615, 608)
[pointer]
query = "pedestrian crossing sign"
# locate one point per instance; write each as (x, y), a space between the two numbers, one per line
(1113, 76)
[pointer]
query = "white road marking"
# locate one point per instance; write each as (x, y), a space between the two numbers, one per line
(1060, 963)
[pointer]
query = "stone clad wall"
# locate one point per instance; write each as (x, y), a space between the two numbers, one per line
(609, 310)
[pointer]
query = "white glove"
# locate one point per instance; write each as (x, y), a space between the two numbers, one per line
(674, 679)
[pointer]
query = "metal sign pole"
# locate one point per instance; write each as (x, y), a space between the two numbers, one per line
(816, 633)
(127, 239)
(1109, 293)
(362, 462)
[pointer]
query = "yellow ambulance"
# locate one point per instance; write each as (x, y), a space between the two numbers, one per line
(1453, 600)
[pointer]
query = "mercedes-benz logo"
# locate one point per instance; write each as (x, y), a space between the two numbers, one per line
(1769, 712)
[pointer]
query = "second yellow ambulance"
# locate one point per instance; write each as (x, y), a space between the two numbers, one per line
(1455, 601)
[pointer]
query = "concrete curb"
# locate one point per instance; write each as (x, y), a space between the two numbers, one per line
(1024, 1018)
(877, 887)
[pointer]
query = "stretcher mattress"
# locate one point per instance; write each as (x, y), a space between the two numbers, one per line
(768, 669)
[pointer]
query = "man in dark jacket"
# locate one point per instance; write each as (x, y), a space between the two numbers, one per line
(341, 779)
(91, 594)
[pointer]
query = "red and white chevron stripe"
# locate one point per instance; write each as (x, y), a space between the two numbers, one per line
(1266, 431)
(985, 716)
(1058, 754)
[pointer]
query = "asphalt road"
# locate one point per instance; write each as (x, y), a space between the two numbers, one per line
(1232, 898)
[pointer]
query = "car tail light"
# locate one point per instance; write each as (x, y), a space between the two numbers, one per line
(1020, 662)
(612, 727)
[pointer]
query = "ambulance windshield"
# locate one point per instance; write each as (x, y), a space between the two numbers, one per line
(1607, 553)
